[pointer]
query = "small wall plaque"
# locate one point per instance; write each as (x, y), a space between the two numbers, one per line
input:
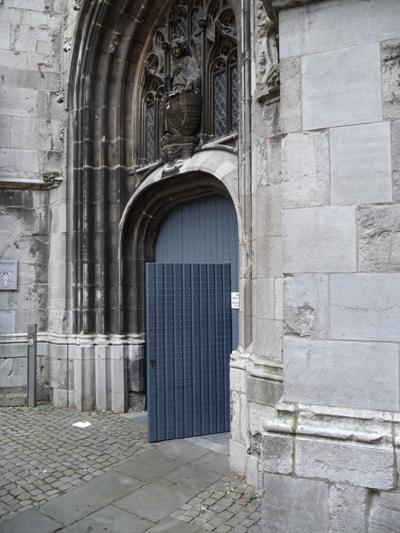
(8, 276)
(235, 303)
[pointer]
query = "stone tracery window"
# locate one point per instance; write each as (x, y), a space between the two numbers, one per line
(190, 86)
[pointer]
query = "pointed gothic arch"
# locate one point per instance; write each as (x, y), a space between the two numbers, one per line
(106, 168)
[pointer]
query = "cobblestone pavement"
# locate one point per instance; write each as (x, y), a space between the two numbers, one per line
(43, 456)
(46, 465)
(225, 506)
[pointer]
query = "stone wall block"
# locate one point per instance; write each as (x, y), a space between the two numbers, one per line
(390, 52)
(277, 453)
(366, 466)
(397, 445)
(119, 393)
(361, 164)
(30, 133)
(342, 87)
(258, 414)
(278, 290)
(291, 102)
(5, 131)
(32, 5)
(238, 380)
(17, 163)
(319, 239)
(384, 516)
(268, 256)
(84, 377)
(295, 505)
(264, 296)
(336, 24)
(60, 366)
(378, 230)
(263, 391)
(267, 205)
(63, 399)
(305, 170)
(348, 507)
(7, 321)
(27, 37)
(365, 306)
(13, 371)
(343, 374)
(102, 369)
(306, 306)
(395, 141)
(5, 35)
(239, 418)
(268, 338)
(237, 457)
(18, 101)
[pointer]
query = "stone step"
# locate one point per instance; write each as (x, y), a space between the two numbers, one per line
(13, 397)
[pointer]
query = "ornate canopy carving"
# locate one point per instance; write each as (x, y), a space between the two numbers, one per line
(190, 85)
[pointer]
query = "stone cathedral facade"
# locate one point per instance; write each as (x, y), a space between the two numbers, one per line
(115, 117)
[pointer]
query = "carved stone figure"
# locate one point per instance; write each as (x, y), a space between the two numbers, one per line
(182, 103)
(267, 49)
(185, 69)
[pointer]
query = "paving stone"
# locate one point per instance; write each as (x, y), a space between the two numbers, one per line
(195, 477)
(169, 498)
(110, 519)
(214, 462)
(89, 498)
(174, 526)
(30, 521)
(150, 465)
(181, 448)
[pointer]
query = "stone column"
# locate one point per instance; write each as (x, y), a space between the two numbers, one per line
(85, 374)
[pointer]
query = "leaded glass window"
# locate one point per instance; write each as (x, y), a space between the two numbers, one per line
(220, 103)
(151, 133)
(197, 16)
(206, 31)
(235, 96)
(181, 26)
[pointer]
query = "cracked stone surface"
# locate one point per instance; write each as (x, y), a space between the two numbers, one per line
(56, 477)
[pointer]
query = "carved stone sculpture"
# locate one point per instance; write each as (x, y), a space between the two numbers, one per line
(267, 49)
(183, 103)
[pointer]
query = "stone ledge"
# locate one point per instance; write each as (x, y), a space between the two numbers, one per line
(288, 408)
(50, 181)
(358, 426)
(312, 457)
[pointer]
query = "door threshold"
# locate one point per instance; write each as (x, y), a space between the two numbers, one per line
(217, 442)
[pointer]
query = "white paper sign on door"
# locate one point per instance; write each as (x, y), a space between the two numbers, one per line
(235, 304)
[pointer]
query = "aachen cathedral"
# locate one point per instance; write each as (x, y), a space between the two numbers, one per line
(200, 210)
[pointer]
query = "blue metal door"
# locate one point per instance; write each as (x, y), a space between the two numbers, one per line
(189, 340)
(203, 231)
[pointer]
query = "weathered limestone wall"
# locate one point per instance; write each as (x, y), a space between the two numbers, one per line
(32, 121)
(256, 370)
(329, 455)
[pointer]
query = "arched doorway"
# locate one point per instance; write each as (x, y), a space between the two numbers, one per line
(191, 327)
